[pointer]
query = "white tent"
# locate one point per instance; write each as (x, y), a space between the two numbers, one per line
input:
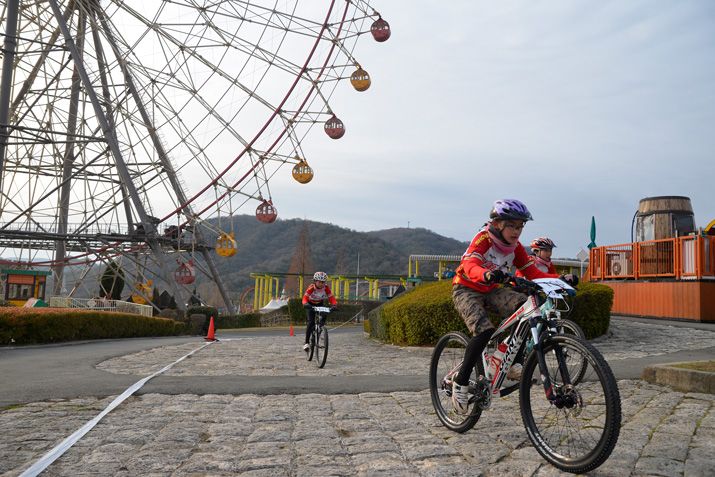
(274, 304)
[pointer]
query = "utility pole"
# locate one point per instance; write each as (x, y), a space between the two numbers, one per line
(357, 280)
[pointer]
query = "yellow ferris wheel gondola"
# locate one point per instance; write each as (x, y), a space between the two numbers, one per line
(302, 172)
(226, 245)
(360, 79)
(142, 290)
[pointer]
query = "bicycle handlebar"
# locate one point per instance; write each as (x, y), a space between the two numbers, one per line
(530, 288)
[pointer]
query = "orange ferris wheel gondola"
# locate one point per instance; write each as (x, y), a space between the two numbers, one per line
(226, 245)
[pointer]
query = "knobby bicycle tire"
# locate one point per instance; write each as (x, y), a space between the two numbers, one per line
(440, 396)
(312, 345)
(592, 408)
(321, 347)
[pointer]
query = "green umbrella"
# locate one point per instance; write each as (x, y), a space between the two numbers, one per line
(593, 233)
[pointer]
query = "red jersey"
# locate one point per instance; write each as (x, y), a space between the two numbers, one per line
(481, 256)
(316, 295)
(541, 264)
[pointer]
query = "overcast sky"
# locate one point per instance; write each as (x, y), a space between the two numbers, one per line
(577, 108)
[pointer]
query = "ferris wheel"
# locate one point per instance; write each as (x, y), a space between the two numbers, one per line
(128, 128)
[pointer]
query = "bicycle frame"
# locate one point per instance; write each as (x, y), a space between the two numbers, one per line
(538, 310)
(320, 313)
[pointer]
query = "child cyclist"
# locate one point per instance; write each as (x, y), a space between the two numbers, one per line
(542, 248)
(484, 266)
(315, 295)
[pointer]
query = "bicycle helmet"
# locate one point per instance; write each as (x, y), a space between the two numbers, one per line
(510, 209)
(542, 243)
(320, 277)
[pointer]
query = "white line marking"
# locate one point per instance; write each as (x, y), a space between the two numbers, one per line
(62, 447)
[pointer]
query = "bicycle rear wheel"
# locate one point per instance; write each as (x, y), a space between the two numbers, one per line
(578, 431)
(446, 360)
(321, 347)
(577, 366)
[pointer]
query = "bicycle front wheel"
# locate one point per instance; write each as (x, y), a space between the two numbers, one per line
(447, 358)
(321, 347)
(577, 430)
(312, 346)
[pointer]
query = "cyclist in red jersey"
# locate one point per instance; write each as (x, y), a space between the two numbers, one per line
(315, 295)
(542, 247)
(485, 265)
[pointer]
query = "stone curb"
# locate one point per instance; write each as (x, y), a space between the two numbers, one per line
(680, 379)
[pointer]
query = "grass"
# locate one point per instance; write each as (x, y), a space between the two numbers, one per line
(707, 366)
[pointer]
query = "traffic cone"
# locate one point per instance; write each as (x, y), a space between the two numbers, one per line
(211, 336)
(291, 329)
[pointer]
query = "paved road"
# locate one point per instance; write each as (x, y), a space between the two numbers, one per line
(253, 405)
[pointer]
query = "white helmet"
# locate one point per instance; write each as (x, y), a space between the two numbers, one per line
(320, 277)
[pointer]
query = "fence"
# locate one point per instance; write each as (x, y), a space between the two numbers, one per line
(682, 258)
(100, 304)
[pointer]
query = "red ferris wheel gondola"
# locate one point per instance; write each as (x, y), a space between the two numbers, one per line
(266, 212)
(334, 127)
(185, 273)
(380, 30)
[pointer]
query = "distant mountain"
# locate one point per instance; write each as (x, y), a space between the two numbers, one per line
(419, 241)
(269, 248)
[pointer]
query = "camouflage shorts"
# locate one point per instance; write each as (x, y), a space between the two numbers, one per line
(472, 305)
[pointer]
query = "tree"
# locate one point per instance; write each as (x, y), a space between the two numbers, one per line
(112, 282)
(300, 263)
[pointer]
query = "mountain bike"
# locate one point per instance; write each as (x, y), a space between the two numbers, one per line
(319, 337)
(573, 423)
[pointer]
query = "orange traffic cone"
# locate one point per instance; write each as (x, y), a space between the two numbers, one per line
(291, 329)
(211, 336)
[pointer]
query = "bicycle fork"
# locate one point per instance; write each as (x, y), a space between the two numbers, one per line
(543, 368)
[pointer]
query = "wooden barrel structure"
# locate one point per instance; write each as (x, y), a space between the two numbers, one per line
(664, 217)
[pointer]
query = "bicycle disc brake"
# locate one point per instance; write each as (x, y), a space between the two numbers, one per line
(482, 393)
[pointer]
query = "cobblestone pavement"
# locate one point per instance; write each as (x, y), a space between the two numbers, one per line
(664, 433)
(350, 354)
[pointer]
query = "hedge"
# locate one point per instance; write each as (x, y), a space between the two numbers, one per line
(22, 326)
(592, 308)
(208, 312)
(245, 320)
(425, 313)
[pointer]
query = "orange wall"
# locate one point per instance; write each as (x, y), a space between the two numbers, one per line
(692, 300)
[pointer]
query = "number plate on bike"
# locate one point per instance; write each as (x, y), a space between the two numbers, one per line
(553, 287)
(322, 309)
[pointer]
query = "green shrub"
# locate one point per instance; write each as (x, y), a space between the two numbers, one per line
(208, 312)
(246, 320)
(422, 315)
(592, 308)
(23, 326)
(296, 311)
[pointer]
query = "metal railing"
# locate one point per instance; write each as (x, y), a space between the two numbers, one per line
(100, 304)
(682, 258)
